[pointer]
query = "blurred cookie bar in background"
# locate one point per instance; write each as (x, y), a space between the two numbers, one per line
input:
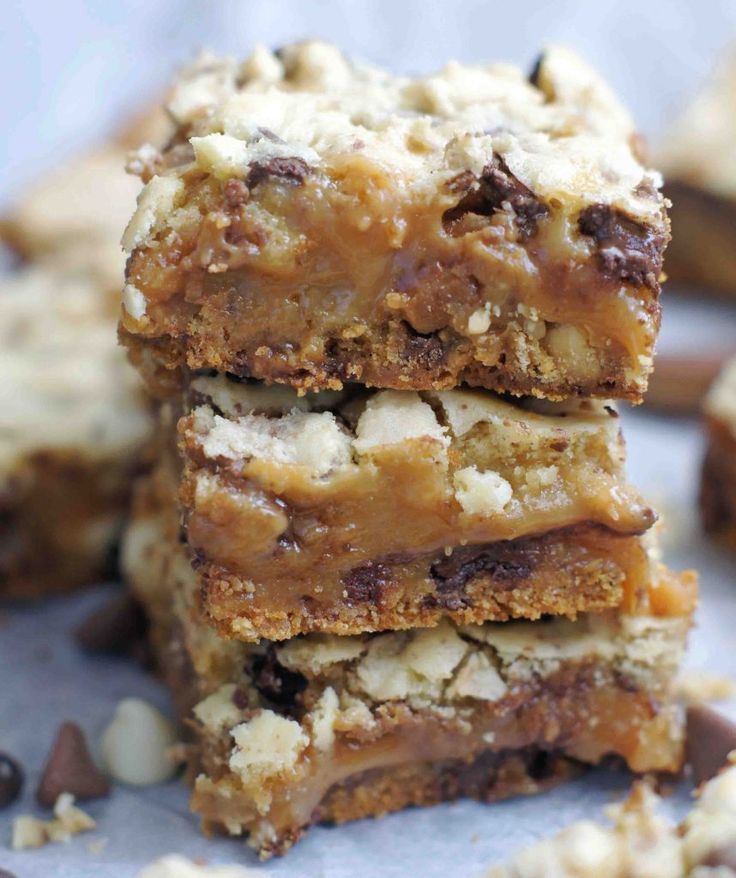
(699, 166)
(73, 417)
(718, 489)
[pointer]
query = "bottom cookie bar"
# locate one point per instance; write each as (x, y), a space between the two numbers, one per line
(718, 487)
(329, 728)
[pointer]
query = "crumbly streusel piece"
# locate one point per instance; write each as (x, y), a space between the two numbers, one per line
(353, 511)
(640, 843)
(316, 221)
(718, 487)
(73, 421)
(328, 728)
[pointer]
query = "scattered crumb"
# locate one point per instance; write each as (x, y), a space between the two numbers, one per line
(174, 866)
(30, 832)
(695, 687)
(97, 846)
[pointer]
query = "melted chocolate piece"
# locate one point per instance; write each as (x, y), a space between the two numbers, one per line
(276, 683)
(498, 189)
(452, 573)
(365, 584)
(627, 250)
(292, 169)
(425, 351)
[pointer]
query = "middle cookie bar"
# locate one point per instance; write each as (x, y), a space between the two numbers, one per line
(363, 511)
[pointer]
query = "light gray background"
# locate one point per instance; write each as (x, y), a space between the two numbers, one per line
(69, 70)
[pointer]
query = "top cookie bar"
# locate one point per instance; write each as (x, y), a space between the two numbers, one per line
(315, 222)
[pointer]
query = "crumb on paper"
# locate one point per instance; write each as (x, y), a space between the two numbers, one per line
(97, 846)
(175, 866)
(31, 832)
(697, 686)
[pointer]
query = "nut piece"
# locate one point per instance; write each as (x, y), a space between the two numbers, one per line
(70, 769)
(29, 832)
(11, 780)
(136, 744)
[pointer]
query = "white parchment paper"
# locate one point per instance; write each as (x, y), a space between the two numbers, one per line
(44, 680)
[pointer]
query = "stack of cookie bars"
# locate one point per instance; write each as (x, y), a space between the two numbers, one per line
(389, 549)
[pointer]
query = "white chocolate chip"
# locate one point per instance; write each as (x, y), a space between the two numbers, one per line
(480, 320)
(221, 155)
(135, 746)
(481, 493)
(134, 302)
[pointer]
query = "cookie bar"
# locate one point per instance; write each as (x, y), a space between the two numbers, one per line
(328, 728)
(316, 222)
(696, 158)
(73, 422)
(641, 841)
(368, 510)
(718, 486)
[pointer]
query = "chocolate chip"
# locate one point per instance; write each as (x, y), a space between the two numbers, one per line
(291, 169)
(275, 682)
(453, 572)
(11, 780)
(114, 628)
(724, 856)
(365, 584)
(70, 769)
(422, 351)
(495, 190)
(627, 250)
(710, 738)
(536, 70)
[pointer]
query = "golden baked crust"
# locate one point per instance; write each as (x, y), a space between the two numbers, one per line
(316, 222)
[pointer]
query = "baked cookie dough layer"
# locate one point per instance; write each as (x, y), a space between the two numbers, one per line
(315, 222)
(718, 487)
(73, 422)
(346, 512)
(328, 728)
